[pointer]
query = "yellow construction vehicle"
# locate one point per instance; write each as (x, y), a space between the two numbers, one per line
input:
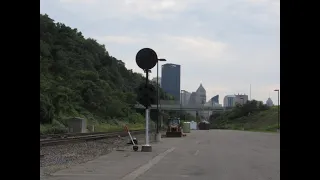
(174, 128)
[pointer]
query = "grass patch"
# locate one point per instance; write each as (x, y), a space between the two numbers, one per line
(58, 127)
(55, 128)
(266, 121)
(263, 121)
(115, 128)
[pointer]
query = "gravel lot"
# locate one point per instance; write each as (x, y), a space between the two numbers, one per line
(62, 156)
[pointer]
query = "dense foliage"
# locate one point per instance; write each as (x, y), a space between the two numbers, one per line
(79, 78)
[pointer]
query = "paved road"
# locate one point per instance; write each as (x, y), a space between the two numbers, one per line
(221, 155)
(202, 155)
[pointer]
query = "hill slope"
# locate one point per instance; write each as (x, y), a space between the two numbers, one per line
(251, 116)
(78, 78)
(261, 121)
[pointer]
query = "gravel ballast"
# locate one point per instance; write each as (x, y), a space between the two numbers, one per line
(62, 156)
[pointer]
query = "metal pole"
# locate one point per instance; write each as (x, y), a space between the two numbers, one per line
(250, 92)
(147, 126)
(180, 105)
(278, 110)
(157, 125)
(202, 111)
(147, 114)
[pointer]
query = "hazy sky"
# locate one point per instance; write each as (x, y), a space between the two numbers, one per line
(224, 44)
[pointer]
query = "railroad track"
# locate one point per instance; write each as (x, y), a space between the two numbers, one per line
(56, 139)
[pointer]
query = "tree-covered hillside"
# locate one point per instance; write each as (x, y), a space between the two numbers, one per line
(78, 78)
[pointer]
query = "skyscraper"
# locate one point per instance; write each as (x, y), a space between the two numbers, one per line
(201, 93)
(269, 102)
(185, 96)
(215, 99)
(229, 101)
(170, 80)
(193, 99)
(241, 99)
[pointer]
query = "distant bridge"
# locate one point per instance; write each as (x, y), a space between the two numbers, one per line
(177, 107)
(180, 107)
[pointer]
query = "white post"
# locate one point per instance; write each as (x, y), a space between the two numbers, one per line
(147, 126)
(131, 138)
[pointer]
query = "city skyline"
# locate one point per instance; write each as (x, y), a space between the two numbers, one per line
(225, 45)
(216, 97)
(222, 97)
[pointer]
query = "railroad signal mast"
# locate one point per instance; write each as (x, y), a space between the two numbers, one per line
(146, 59)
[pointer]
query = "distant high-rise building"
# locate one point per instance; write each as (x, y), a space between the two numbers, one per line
(201, 93)
(241, 99)
(215, 99)
(269, 102)
(193, 99)
(229, 101)
(185, 96)
(170, 80)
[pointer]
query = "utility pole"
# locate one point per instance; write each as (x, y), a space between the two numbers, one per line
(278, 108)
(184, 95)
(250, 92)
(158, 135)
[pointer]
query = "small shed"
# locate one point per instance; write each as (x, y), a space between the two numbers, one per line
(204, 125)
(193, 125)
(77, 125)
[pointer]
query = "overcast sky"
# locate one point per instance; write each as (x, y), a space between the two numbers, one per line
(224, 44)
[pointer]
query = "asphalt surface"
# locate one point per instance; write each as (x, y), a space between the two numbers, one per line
(202, 155)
